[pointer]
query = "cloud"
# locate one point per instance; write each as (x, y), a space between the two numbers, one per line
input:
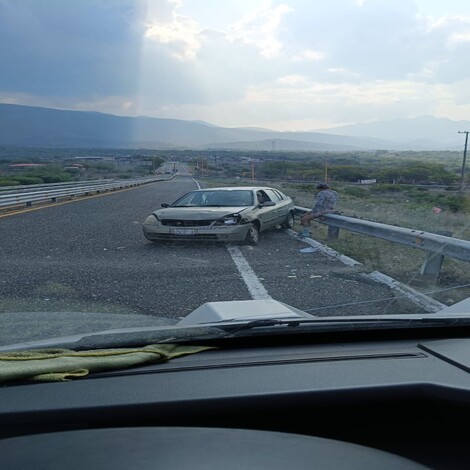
(292, 80)
(63, 49)
(459, 38)
(250, 62)
(308, 55)
(260, 28)
(182, 34)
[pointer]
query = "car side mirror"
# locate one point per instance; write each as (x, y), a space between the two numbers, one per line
(165, 204)
(268, 204)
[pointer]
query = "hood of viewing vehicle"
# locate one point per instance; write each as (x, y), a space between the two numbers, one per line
(197, 213)
(23, 327)
(50, 328)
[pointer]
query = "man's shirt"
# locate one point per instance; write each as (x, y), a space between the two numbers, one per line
(325, 202)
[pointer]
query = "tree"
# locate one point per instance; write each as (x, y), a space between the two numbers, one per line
(348, 172)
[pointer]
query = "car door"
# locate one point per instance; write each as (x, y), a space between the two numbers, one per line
(281, 207)
(267, 215)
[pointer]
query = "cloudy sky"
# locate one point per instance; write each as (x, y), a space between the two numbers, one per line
(285, 65)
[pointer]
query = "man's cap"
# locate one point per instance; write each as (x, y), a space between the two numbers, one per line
(323, 186)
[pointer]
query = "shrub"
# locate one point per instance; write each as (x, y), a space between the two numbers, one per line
(458, 203)
(56, 178)
(6, 182)
(454, 203)
(29, 180)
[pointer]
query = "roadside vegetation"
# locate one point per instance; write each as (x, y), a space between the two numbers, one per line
(49, 173)
(54, 169)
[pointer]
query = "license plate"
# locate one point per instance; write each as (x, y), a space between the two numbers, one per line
(184, 231)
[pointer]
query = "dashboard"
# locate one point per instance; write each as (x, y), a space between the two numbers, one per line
(399, 401)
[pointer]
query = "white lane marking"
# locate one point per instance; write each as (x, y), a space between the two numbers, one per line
(325, 249)
(257, 290)
(197, 182)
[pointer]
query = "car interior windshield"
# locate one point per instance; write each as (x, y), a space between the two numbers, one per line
(234, 234)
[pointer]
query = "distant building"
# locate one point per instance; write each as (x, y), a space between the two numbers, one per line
(25, 166)
(74, 168)
(97, 158)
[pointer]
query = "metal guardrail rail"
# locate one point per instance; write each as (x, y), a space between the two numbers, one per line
(44, 193)
(436, 245)
(43, 186)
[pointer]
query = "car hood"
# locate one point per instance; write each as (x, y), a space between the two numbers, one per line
(198, 213)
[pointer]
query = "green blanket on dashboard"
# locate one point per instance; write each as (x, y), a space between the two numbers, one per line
(65, 364)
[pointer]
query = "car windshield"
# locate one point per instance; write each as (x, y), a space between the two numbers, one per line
(261, 160)
(216, 198)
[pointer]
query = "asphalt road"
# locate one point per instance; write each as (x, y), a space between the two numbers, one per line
(89, 255)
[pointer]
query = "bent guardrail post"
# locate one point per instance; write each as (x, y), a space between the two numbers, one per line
(433, 263)
(437, 245)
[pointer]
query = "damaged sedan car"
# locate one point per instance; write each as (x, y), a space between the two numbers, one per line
(227, 214)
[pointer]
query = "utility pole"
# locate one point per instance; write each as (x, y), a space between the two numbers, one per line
(252, 170)
(462, 179)
(326, 168)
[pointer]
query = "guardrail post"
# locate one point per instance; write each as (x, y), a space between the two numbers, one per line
(433, 263)
(333, 232)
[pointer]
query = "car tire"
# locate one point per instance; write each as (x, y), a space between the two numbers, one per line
(289, 222)
(252, 237)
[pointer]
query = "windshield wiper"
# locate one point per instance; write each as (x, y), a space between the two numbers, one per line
(349, 324)
(125, 337)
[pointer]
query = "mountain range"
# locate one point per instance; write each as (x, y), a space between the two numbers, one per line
(27, 126)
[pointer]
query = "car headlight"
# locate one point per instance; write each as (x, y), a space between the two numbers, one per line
(232, 219)
(152, 220)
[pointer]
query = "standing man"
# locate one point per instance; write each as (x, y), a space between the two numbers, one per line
(325, 202)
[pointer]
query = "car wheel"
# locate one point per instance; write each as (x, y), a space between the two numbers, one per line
(252, 237)
(289, 222)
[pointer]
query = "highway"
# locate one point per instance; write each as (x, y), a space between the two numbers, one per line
(89, 255)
